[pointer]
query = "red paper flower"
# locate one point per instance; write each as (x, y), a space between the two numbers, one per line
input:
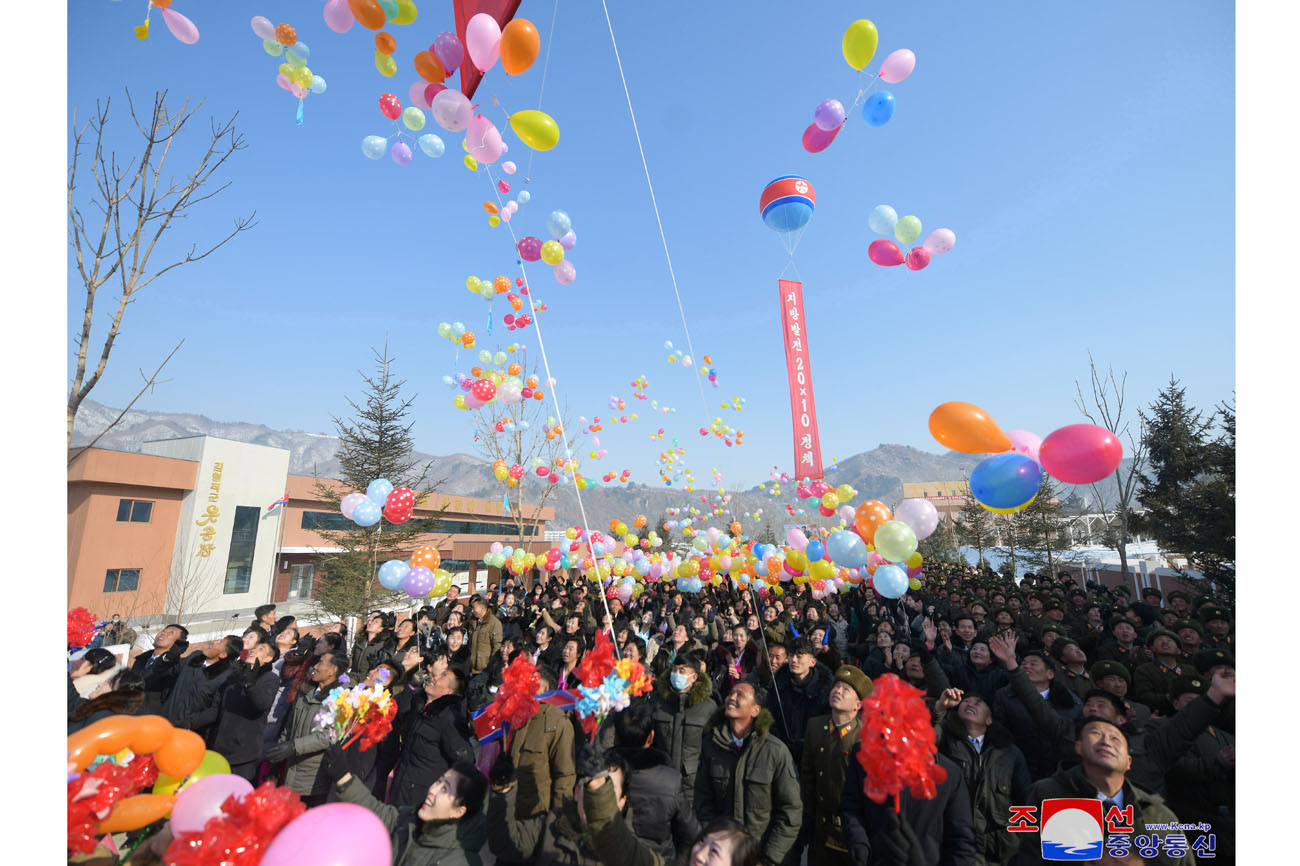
(91, 797)
(81, 628)
(898, 744)
(516, 700)
(597, 664)
(376, 726)
(239, 835)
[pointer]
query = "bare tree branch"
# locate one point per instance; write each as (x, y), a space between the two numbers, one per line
(149, 384)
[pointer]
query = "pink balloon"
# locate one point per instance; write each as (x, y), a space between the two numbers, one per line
(816, 139)
(432, 90)
(484, 139)
(297, 91)
(530, 249)
(335, 834)
(451, 109)
(920, 514)
(483, 39)
(1080, 453)
(819, 488)
(565, 274)
(898, 66)
(417, 97)
(350, 502)
(473, 402)
(918, 258)
(338, 16)
(284, 81)
(940, 241)
(508, 167)
(885, 252)
(795, 539)
(449, 50)
(202, 800)
(180, 26)
(1026, 443)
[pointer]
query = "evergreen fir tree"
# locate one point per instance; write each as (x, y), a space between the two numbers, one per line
(976, 527)
(1039, 528)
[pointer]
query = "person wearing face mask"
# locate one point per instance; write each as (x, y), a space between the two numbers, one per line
(241, 714)
(683, 705)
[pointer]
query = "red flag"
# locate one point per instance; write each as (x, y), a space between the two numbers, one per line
(501, 10)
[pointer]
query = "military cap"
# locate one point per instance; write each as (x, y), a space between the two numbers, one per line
(1119, 618)
(1054, 603)
(1178, 593)
(1213, 612)
(1122, 589)
(1211, 658)
(1108, 668)
(1194, 625)
(1059, 646)
(1184, 683)
(855, 679)
(1164, 632)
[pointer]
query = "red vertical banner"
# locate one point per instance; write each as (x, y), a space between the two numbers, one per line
(798, 366)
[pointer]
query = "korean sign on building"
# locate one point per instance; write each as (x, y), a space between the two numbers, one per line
(803, 408)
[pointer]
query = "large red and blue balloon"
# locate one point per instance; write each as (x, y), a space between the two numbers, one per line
(787, 203)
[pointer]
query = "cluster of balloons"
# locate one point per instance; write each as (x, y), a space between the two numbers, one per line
(419, 577)
(670, 471)
(859, 46)
(381, 499)
(884, 220)
(712, 373)
(294, 74)
(179, 26)
(456, 333)
(675, 355)
(621, 478)
(829, 498)
(1008, 481)
(552, 252)
(724, 432)
(340, 15)
(485, 386)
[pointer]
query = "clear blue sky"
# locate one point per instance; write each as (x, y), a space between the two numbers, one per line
(1084, 159)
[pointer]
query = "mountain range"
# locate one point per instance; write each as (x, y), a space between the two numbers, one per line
(876, 474)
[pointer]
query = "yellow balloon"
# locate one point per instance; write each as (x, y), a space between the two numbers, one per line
(386, 65)
(406, 12)
(471, 163)
(797, 560)
(913, 583)
(494, 220)
(213, 764)
(914, 561)
(859, 44)
(821, 570)
(459, 401)
(552, 252)
(535, 129)
(1009, 510)
(286, 70)
(845, 492)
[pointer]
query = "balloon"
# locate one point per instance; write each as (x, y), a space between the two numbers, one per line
(878, 109)
(286, 34)
(335, 834)
(520, 45)
(392, 573)
(882, 219)
(829, 114)
(869, 517)
(449, 50)
(530, 249)
(907, 229)
(569, 240)
(406, 12)
(795, 539)
(385, 43)
(918, 258)
(181, 27)
(483, 38)
(787, 203)
(350, 502)
(413, 118)
(1081, 453)
(484, 139)
(940, 241)
(368, 12)
(132, 813)
(967, 428)
(418, 582)
(558, 223)
(552, 253)
(895, 540)
(432, 146)
(897, 66)
(859, 43)
(210, 764)
(263, 27)
(535, 129)
(815, 551)
(815, 140)
(377, 491)
(385, 63)
(1005, 480)
(390, 106)
(846, 549)
(429, 67)
(565, 273)
(202, 800)
(430, 91)
(920, 514)
(272, 47)
(452, 110)
(317, 84)
(885, 252)
(366, 513)
(181, 755)
(889, 581)
(338, 16)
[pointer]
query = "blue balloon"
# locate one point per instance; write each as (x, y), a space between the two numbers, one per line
(642, 566)
(787, 203)
(814, 551)
(377, 491)
(890, 580)
(432, 145)
(373, 146)
(392, 573)
(366, 513)
(878, 108)
(846, 549)
(598, 549)
(558, 223)
(760, 568)
(1005, 481)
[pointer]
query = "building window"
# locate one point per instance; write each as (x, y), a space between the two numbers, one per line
(134, 510)
(300, 579)
(121, 579)
(243, 541)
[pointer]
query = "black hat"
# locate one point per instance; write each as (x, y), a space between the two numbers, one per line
(1184, 683)
(1164, 632)
(1194, 625)
(1178, 593)
(1119, 618)
(1150, 591)
(1059, 646)
(1054, 603)
(1122, 589)
(1109, 668)
(1212, 612)
(1206, 659)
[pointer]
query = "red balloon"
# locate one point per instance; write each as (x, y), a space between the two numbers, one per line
(918, 258)
(391, 106)
(1081, 453)
(484, 390)
(816, 139)
(885, 252)
(433, 90)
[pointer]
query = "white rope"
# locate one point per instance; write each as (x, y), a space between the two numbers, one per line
(546, 66)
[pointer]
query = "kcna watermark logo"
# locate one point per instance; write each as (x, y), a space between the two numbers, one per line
(1075, 828)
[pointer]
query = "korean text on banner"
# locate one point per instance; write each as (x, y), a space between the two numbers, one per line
(803, 407)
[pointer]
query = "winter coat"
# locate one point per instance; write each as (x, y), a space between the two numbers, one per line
(1080, 684)
(542, 752)
(1131, 658)
(1201, 790)
(756, 784)
(985, 683)
(557, 836)
(293, 668)
(192, 702)
(793, 703)
(1151, 681)
(304, 775)
(1040, 748)
(942, 825)
(368, 652)
(417, 843)
(241, 719)
(679, 724)
(160, 672)
(664, 817)
(824, 765)
(436, 739)
(1148, 808)
(663, 660)
(485, 640)
(611, 834)
(997, 778)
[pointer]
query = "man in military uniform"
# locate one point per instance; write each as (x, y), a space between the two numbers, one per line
(1123, 648)
(1218, 624)
(1192, 636)
(1033, 619)
(828, 741)
(1073, 670)
(1114, 677)
(1151, 680)
(1180, 603)
(1201, 784)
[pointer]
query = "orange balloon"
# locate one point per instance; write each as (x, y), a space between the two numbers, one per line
(520, 45)
(501, 285)
(476, 372)
(426, 557)
(735, 527)
(368, 13)
(162, 4)
(138, 811)
(539, 394)
(181, 754)
(105, 737)
(429, 67)
(639, 521)
(531, 382)
(967, 428)
(286, 34)
(869, 516)
(467, 340)
(385, 43)
(514, 369)
(490, 207)
(151, 734)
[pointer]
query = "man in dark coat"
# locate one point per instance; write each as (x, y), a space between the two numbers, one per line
(241, 721)
(1115, 678)
(1122, 649)
(977, 672)
(161, 667)
(828, 741)
(437, 738)
(683, 706)
(192, 702)
(1073, 666)
(375, 647)
(1151, 680)
(800, 691)
(1040, 748)
(1202, 782)
(995, 770)
(663, 817)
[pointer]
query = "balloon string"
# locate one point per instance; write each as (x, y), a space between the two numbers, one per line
(528, 172)
(550, 385)
(704, 403)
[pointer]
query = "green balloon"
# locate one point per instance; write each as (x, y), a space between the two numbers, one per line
(413, 118)
(272, 47)
(444, 330)
(907, 229)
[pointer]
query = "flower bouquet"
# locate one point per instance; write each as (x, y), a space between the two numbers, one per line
(82, 628)
(898, 745)
(357, 713)
(515, 703)
(627, 679)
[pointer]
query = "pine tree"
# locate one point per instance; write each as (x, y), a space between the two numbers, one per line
(1039, 527)
(375, 443)
(975, 527)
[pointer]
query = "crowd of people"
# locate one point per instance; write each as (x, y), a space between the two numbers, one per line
(746, 750)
